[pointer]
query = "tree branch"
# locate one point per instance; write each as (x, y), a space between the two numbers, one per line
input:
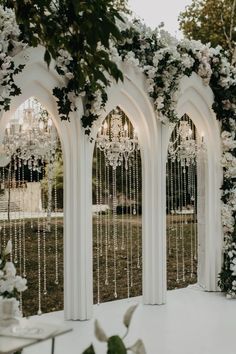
(232, 21)
(225, 33)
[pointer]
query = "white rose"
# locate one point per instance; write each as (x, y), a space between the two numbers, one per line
(20, 284)
(10, 269)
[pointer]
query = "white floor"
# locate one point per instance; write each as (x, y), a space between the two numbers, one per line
(192, 322)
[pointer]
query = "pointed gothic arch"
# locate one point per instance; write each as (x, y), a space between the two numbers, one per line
(196, 101)
(132, 97)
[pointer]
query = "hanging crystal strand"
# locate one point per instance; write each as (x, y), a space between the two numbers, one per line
(106, 225)
(130, 224)
(100, 178)
(50, 180)
(168, 206)
(137, 208)
(44, 235)
(15, 219)
(171, 204)
(39, 260)
(185, 210)
(133, 182)
(114, 198)
(182, 222)
(176, 224)
(23, 220)
(1, 238)
(20, 226)
(9, 207)
(195, 210)
(30, 163)
(134, 212)
(179, 208)
(56, 226)
(4, 214)
(108, 202)
(19, 215)
(122, 207)
(190, 191)
(127, 234)
(97, 229)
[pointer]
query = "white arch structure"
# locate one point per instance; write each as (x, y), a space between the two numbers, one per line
(132, 97)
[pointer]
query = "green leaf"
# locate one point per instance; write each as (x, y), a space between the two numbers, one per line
(47, 57)
(116, 346)
(89, 350)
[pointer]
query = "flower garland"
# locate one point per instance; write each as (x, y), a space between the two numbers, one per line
(164, 61)
(9, 46)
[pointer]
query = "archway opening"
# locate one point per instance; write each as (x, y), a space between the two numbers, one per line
(31, 205)
(185, 237)
(117, 210)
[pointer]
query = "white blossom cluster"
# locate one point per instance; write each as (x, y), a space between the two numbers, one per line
(10, 283)
(63, 62)
(167, 65)
(9, 46)
(164, 61)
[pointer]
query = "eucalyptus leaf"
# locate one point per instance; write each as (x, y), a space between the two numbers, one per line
(99, 332)
(128, 315)
(138, 347)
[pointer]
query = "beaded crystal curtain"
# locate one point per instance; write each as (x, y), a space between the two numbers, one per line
(117, 234)
(31, 205)
(181, 190)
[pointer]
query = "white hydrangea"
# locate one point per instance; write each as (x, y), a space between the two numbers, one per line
(10, 283)
(229, 162)
(227, 218)
(233, 266)
(228, 141)
(234, 285)
(159, 102)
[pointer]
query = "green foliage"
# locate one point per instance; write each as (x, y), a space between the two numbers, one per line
(81, 28)
(89, 350)
(122, 5)
(210, 21)
(226, 276)
(115, 344)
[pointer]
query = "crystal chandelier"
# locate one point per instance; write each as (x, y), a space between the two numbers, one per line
(184, 147)
(116, 140)
(30, 136)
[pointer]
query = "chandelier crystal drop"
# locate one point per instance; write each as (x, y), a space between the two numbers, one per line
(185, 145)
(30, 136)
(116, 140)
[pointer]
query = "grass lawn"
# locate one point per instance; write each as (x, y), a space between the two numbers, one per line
(53, 299)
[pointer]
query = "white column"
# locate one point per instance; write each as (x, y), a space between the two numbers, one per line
(78, 293)
(201, 219)
(153, 233)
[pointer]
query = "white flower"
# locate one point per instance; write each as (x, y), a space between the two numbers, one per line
(234, 285)
(8, 248)
(69, 75)
(228, 140)
(159, 102)
(20, 283)
(233, 266)
(10, 269)
(187, 61)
